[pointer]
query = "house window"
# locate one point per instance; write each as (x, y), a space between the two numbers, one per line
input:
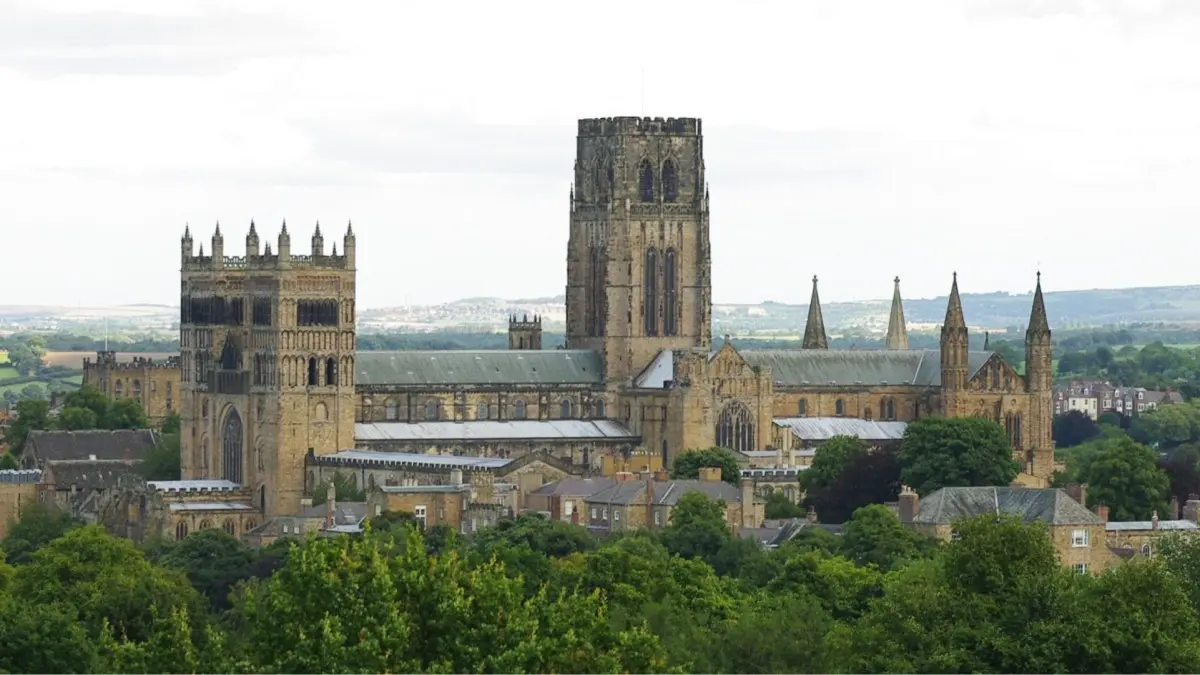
(1079, 538)
(117, 389)
(657, 518)
(568, 508)
(593, 513)
(419, 515)
(598, 409)
(1080, 568)
(616, 515)
(379, 509)
(604, 513)
(432, 414)
(390, 411)
(1147, 551)
(181, 530)
(954, 536)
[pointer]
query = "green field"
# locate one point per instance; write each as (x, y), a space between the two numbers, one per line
(8, 372)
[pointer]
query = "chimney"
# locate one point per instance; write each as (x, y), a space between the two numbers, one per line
(649, 522)
(1078, 492)
(456, 477)
(749, 517)
(1102, 511)
(623, 476)
(1191, 510)
(662, 475)
(1154, 520)
(331, 505)
(305, 502)
(811, 515)
(1174, 508)
(909, 504)
(710, 474)
(779, 458)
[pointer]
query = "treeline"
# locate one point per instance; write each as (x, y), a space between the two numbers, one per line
(1154, 366)
(72, 342)
(532, 595)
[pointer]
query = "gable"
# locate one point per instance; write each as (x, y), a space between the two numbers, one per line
(478, 367)
(995, 374)
(727, 362)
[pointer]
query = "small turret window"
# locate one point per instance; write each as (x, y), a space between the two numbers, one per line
(646, 181)
(670, 182)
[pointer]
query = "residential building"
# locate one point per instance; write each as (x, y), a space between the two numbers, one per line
(634, 503)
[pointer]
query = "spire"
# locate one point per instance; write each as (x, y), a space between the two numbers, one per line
(897, 333)
(814, 331)
(318, 232)
(217, 233)
(252, 227)
(1038, 324)
(954, 313)
(349, 229)
(284, 230)
(987, 342)
(187, 231)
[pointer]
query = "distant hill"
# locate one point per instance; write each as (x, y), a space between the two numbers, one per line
(1179, 305)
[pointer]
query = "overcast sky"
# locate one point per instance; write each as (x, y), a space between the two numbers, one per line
(854, 140)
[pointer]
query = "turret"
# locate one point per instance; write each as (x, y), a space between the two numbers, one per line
(1038, 350)
(348, 246)
(524, 333)
(814, 330)
(186, 244)
(218, 248)
(252, 242)
(285, 246)
(954, 343)
(318, 243)
(897, 333)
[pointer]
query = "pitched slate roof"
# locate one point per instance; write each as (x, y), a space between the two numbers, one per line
(87, 475)
(94, 444)
(665, 492)
(482, 367)
(847, 367)
(575, 486)
(488, 430)
(1050, 506)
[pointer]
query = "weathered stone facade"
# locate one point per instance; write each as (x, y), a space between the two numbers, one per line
(154, 384)
(18, 489)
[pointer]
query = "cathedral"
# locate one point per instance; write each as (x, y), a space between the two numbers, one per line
(271, 387)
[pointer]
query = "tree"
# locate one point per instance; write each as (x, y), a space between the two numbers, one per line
(125, 413)
(1167, 426)
(697, 528)
(31, 415)
(171, 423)
(942, 452)
(688, 464)
(1182, 467)
(345, 487)
(162, 461)
(874, 536)
(847, 474)
(1072, 428)
(778, 506)
(75, 418)
(8, 462)
(213, 562)
(1125, 476)
(39, 525)
(24, 360)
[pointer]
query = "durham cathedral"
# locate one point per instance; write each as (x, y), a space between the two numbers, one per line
(273, 396)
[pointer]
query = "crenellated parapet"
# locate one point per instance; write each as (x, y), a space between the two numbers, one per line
(608, 126)
(108, 360)
(266, 259)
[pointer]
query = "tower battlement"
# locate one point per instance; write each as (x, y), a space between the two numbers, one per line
(108, 360)
(615, 126)
(524, 332)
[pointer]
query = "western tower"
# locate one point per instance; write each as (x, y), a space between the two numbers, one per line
(638, 261)
(266, 363)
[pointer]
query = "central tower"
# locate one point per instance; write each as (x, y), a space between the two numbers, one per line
(638, 262)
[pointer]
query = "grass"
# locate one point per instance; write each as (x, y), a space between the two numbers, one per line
(8, 372)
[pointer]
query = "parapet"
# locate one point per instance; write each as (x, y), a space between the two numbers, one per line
(108, 360)
(524, 321)
(618, 126)
(21, 476)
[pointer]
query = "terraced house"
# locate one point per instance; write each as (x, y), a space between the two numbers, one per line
(270, 381)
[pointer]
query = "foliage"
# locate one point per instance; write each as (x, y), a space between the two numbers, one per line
(1125, 475)
(1182, 467)
(8, 462)
(1154, 366)
(942, 452)
(31, 415)
(345, 487)
(688, 464)
(847, 474)
(162, 461)
(778, 506)
(874, 536)
(1072, 428)
(1168, 426)
(39, 525)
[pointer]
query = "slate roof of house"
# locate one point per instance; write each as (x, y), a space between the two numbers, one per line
(1050, 506)
(666, 493)
(94, 444)
(483, 367)
(831, 367)
(346, 513)
(824, 428)
(776, 533)
(87, 475)
(1136, 525)
(490, 430)
(414, 459)
(583, 487)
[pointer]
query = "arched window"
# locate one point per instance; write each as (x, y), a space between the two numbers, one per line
(390, 411)
(802, 407)
(670, 181)
(206, 524)
(596, 296)
(670, 286)
(232, 444)
(262, 497)
(598, 410)
(330, 373)
(1012, 425)
(481, 412)
(735, 428)
(117, 388)
(646, 181)
(312, 372)
(891, 409)
(650, 305)
(250, 525)
(137, 387)
(204, 409)
(1147, 550)
(229, 527)
(839, 407)
(519, 409)
(565, 412)
(432, 411)
(181, 530)
(664, 452)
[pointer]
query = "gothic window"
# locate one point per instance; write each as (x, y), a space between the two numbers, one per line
(137, 388)
(735, 428)
(262, 497)
(646, 181)
(891, 409)
(519, 409)
(670, 181)
(432, 411)
(250, 524)
(594, 316)
(206, 524)
(181, 530)
(260, 310)
(664, 452)
(565, 411)
(316, 313)
(1012, 425)
(118, 389)
(599, 410)
(204, 409)
(229, 527)
(312, 371)
(802, 407)
(231, 356)
(330, 373)
(232, 443)
(670, 283)
(650, 305)
(390, 411)
(839, 408)
(481, 412)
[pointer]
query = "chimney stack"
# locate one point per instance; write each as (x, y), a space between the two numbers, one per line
(1191, 510)
(456, 477)
(331, 505)
(909, 504)
(1102, 511)
(749, 515)
(710, 474)
(1078, 492)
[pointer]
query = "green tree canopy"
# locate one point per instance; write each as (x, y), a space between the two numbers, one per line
(940, 452)
(1125, 475)
(688, 464)
(847, 474)
(1072, 428)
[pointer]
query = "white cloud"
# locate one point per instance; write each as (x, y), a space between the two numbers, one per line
(852, 139)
